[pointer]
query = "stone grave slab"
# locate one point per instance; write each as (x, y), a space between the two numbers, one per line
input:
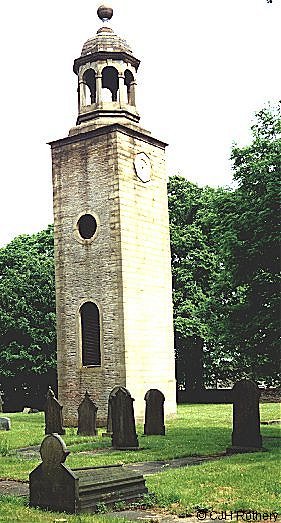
(154, 413)
(108, 432)
(53, 414)
(56, 487)
(87, 416)
(246, 436)
(5, 424)
(124, 436)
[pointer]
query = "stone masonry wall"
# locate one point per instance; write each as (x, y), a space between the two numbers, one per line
(146, 273)
(85, 180)
(125, 269)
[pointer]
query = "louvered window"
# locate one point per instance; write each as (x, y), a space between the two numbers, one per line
(90, 325)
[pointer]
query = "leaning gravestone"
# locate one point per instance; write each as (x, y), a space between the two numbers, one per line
(87, 415)
(53, 414)
(124, 436)
(5, 424)
(108, 432)
(54, 486)
(246, 436)
(154, 413)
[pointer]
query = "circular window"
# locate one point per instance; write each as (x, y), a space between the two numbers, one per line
(87, 226)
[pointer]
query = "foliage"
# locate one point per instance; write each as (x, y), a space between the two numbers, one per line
(226, 263)
(196, 267)
(250, 220)
(27, 309)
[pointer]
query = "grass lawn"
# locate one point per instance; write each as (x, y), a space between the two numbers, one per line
(248, 481)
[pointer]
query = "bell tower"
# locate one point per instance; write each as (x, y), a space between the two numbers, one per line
(106, 73)
(112, 248)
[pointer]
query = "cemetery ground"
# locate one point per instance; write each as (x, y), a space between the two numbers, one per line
(237, 482)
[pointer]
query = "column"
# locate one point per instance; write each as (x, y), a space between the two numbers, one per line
(98, 88)
(81, 95)
(133, 93)
(123, 98)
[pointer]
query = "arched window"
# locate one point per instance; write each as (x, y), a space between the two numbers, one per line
(89, 79)
(130, 87)
(110, 81)
(90, 329)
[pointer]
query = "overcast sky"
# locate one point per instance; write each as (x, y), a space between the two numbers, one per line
(206, 67)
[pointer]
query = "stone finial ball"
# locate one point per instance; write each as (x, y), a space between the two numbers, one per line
(105, 12)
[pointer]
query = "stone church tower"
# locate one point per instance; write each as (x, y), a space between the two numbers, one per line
(112, 250)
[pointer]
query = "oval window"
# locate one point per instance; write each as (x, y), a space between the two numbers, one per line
(87, 226)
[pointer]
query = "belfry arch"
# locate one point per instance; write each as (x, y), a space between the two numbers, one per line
(89, 82)
(110, 81)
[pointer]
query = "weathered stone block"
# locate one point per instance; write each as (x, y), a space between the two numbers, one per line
(124, 436)
(154, 413)
(87, 414)
(246, 436)
(53, 414)
(54, 486)
(5, 424)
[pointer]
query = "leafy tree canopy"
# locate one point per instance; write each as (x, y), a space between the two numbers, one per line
(196, 267)
(226, 262)
(27, 305)
(251, 250)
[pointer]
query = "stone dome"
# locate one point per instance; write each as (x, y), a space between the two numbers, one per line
(105, 40)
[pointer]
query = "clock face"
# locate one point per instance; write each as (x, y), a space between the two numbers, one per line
(142, 167)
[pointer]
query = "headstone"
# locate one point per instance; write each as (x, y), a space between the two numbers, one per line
(108, 432)
(124, 436)
(246, 436)
(154, 413)
(87, 415)
(5, 424)
(53, 414)
(54, 486)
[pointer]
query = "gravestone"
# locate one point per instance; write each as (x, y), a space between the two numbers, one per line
(5, 424)
(108, 432)
(53, 414)
(154, 413)
(246, 436)
(124, 436)
(87, 415)
(54, 486)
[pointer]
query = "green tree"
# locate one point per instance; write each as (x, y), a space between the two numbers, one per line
(251, 251)
(27, 314)
(196, 267)
(226, 263)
